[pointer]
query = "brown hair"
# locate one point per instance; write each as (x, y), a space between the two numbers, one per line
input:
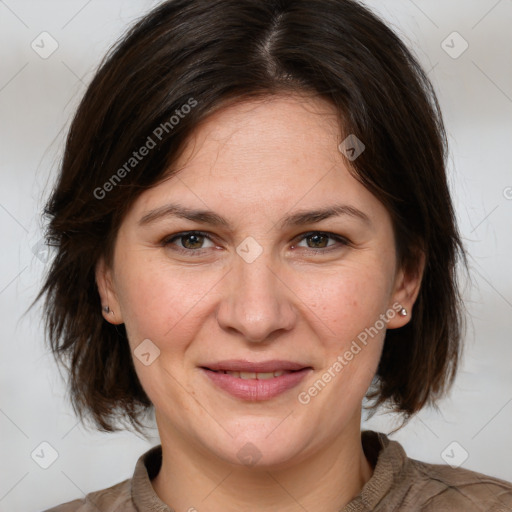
(204, 54)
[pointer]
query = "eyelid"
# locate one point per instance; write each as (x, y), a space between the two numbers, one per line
(167, 240)
(338, 238)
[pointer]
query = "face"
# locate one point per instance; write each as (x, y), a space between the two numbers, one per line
(256, 282)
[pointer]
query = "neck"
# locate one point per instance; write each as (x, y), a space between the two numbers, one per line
(326, 481)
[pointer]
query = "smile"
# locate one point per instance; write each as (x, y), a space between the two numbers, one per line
(255, 386)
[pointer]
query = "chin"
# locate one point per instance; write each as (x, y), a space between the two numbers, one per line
(259, 445)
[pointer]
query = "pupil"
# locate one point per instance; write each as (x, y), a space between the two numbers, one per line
(193, 243)
(316, 238)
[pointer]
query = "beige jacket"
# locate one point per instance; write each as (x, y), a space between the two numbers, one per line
(398, 484)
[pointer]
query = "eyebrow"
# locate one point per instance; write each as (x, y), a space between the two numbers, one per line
(299, 218)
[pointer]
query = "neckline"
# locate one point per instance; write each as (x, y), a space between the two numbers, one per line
(387, 458)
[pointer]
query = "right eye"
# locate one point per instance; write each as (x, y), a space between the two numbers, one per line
(190, 242)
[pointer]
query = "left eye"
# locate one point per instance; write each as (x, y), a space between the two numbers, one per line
(319, 239)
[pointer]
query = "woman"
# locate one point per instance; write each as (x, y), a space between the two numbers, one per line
(254, 232)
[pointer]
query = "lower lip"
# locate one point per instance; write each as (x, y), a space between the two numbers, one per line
(254, 389)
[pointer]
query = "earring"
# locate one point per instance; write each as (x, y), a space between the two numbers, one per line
(106, 309)
(403, 312)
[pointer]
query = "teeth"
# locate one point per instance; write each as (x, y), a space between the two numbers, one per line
(254, 375)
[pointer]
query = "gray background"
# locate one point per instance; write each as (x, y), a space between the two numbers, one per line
(37, 99)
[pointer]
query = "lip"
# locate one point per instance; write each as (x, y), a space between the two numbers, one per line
(242, 365)
(254, 389)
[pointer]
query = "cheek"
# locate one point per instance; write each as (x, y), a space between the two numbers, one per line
(161, 303)
(351, 333)
(349, 300)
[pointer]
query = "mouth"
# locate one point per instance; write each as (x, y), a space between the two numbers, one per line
(253, 375)
(255, 380)
(245, 366)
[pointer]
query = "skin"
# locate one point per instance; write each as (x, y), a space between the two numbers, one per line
(302, 299)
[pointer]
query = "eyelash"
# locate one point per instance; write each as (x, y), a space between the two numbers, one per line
(167, 241)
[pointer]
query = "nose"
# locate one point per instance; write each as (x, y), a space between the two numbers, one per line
(257, 303)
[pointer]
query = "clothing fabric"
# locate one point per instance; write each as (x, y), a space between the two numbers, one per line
(398, 484)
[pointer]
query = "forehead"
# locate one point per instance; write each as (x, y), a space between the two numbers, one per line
(273, 128)
(269, 155)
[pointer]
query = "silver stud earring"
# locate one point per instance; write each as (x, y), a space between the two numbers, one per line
(106, 309)
(403, 312)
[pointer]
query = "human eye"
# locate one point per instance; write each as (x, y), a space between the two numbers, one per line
(190, 242)
(319, 240)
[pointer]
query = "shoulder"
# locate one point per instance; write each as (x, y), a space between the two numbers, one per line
(112, 499)
(130, 495)
(402, 483)
(443, 487)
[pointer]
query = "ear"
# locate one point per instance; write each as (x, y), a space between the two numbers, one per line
(406, 289)
(106, 289)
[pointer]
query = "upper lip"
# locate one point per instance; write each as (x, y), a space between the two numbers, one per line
(242, 365)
